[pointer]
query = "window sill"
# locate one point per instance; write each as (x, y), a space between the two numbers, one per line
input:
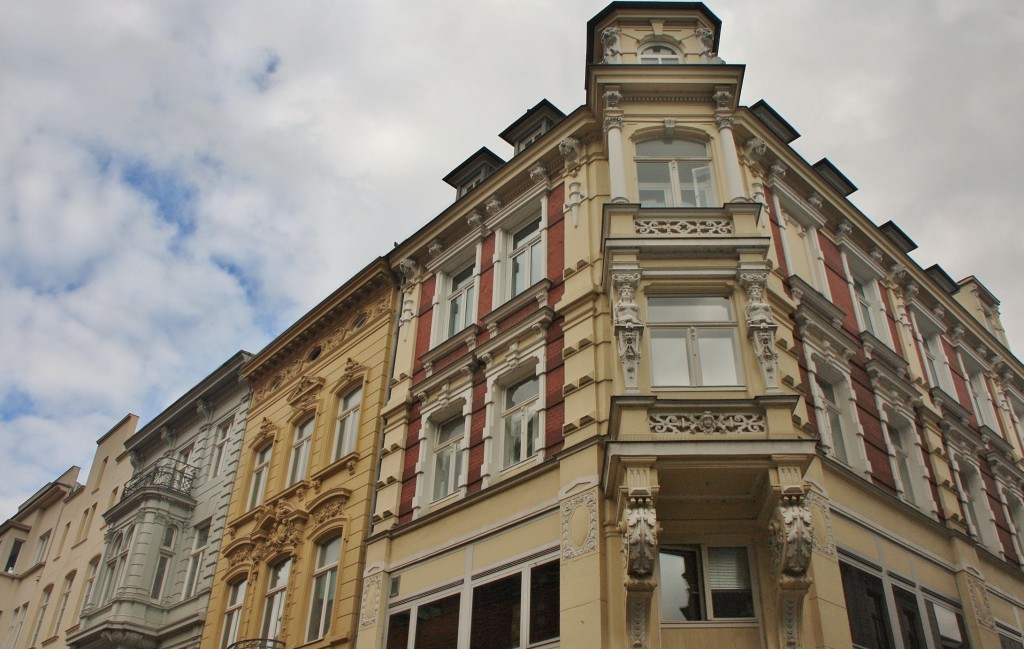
(347, 461)
(537, 292)
(728, 623)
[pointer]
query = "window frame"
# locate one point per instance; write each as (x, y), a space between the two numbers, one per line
(44, 603)
(531, 245)
(705, 192)
(346, 429)
(233, 611)
(258, 482)
(164, 560)
(195, 561)
(704, 579)
(302, 442)
(323, 574)
(454, 449)
(62, 607)
(658, 58)
(221, 435)
(524, 412)
(464, 294)
(692, 330)
(506, 224)
(275, 599)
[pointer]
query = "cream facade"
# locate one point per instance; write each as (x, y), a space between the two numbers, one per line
(658, 383)
(52, 546)
(157, 557)
(290, 568)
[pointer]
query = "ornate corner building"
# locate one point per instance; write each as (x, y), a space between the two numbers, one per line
(289, 571)
(658, 383)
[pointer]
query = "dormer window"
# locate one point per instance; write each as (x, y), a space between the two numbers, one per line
(659, 55)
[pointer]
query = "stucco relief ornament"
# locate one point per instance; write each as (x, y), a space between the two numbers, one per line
(538, 174)
(435, 248)
(761, 326)
(723, 99)
(571, 151)
(612, 121)
(493, 205)
(628, 325)
(127, 640)
(409, 268)
(724, 121)
(791, 537)
(610, 42)
(370, 600)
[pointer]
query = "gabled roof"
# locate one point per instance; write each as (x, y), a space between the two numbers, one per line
(524, 124)
(483, 157)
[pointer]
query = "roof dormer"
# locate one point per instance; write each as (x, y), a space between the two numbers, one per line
(532, 126)
(473, 171)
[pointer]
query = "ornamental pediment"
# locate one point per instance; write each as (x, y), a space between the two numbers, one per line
(306, 392)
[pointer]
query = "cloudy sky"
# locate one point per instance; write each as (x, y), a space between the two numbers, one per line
(179, 180)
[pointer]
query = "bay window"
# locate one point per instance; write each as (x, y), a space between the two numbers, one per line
(674, 172)
(693, 341)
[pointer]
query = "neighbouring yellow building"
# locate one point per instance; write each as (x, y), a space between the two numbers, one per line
(658, 383)
(290, 566)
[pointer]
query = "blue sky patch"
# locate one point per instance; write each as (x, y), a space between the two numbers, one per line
(173, 196)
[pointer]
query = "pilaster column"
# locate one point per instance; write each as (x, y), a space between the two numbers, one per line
(730, 160)
(616, 161)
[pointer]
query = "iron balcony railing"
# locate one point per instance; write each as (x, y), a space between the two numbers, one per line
(257, 643)
(167, 474)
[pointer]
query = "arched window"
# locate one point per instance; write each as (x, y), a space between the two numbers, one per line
(674, 172)
(233, 612)
(659, 55)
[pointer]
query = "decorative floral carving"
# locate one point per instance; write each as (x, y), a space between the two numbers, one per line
(538, 174)
(639, 538)
(587, 504)
(306, 393)
(724, 121)
(707, 423)
(687, 227)
(706, 37)
(612, 121)
(638, 621)
(790, 536)
(827, 545)
(435, 248)
(330, 510)
(493, 205)
(754, 148)
(723, 100)
(127, 639)
(239, 556)
(370, 600)
(612, 99)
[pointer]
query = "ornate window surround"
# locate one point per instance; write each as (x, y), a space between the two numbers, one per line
(801, 213)
(834, 368)
(449, 404)
(446, 263)
(671, 130)
(344, 387)
(504, 221)
(865, 270)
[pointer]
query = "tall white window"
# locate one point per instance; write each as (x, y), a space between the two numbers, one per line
(447, 456)
(693, 341)
(17, 621)
(273, 607)
(975, 502)
(520, 404)
(907, 460)
(117, 562)
(933, 360)
(259, 477)
(348, 423)
(460, 312)
(864, 306)
(44, 603)
(526, 256)
(833, 419)
(674, 172)
(220, 441)
(44, 542)
(90, 582)
(981, 401)
(163, 562)
(325, 576)
(187, 455)
(705, 583)
(195, 561)
(659, 55)
(300, 451)
(62, 605)
(233, 613)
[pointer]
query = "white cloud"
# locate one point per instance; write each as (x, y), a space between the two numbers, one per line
(304, 138)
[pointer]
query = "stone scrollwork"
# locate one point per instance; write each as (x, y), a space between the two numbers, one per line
(708, 423)
(628, 325)
(979, 602)
(127, 639)
(684, 227)
(639, 528)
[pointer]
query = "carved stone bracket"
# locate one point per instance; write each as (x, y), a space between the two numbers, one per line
(576, 196)
(639, 527)
(790, 542)
(572, 153)
(610, 42)
(629, 327)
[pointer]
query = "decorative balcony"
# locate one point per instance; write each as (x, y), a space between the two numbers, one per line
(257, 643)
(165, 475)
